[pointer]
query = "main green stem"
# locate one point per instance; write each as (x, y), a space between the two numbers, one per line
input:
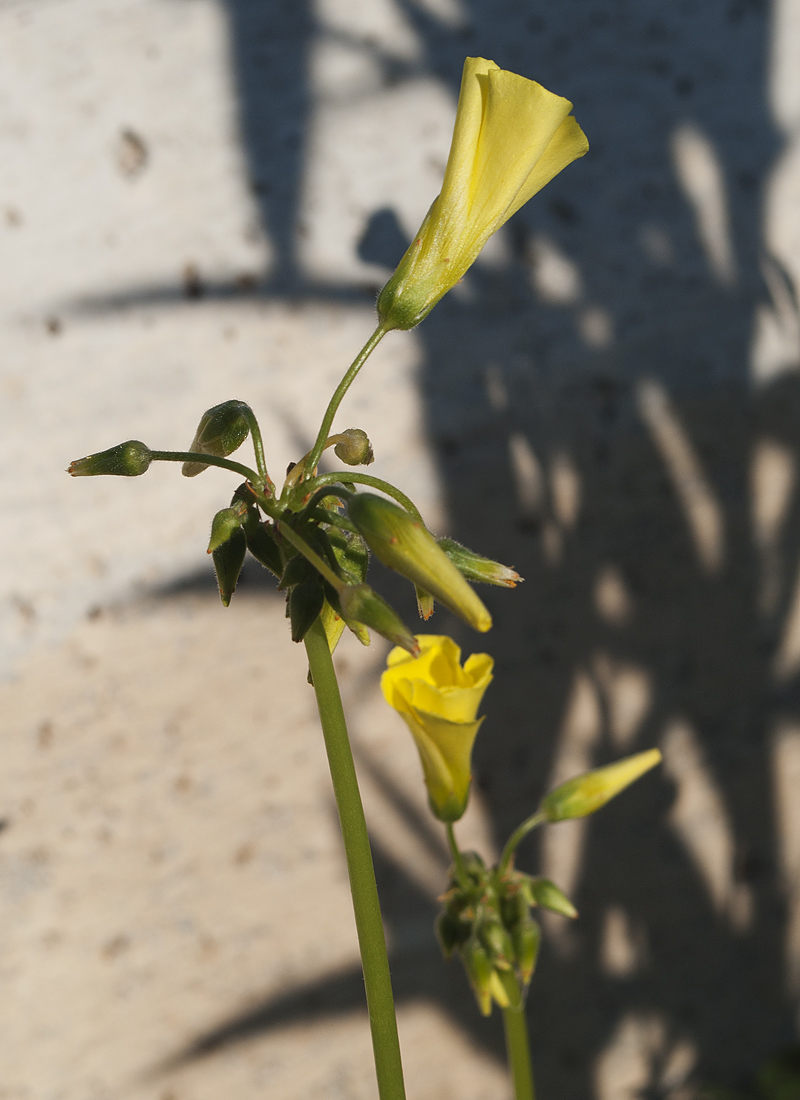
(371, 940)
(518, 1051)
(336, 400)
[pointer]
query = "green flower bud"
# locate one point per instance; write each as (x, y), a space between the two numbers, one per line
(125, 460)
(220, 432)
(404, 544)
(354, 448)
(228, 562)
(477, 568)
(526, 938)
(224, 523)
(362, 603)
(545, 894)
(584, 794)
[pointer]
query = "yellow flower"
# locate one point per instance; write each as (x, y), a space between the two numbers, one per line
(511, 137)
(439, 700)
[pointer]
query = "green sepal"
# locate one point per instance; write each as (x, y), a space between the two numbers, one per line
(475, 567)
(298, 570)
(228, 561)
(261, 544)
(305, 604)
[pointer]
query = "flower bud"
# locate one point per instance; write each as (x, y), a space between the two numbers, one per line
(228, 562)
(220, 432)
(354, 448)
(526, 938)
(477, 568)
(125, 460)
(403, 543)
(362, 603)
(544, 893)
(584, 794)
(224, 523)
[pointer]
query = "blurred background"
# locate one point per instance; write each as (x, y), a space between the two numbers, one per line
(199, 200)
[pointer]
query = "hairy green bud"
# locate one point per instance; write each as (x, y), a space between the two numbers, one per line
(222, 429)
(129, 459)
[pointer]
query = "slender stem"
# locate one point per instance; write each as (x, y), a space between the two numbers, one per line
(258, 444)
(458, 860)
(521, 831)
(207, 460)
(356, 478)
(311, 555)
(336, 400)
(371, 941)
(518, 1052)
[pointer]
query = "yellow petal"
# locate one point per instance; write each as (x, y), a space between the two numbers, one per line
(520, 121)
(567, 144)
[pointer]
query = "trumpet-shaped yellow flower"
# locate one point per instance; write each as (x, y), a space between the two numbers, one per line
(511, 137)
(439, 700)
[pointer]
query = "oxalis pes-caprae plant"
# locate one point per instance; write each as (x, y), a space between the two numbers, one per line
(315, 533)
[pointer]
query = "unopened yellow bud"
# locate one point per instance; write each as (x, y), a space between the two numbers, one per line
(584, 794)
(404, 543)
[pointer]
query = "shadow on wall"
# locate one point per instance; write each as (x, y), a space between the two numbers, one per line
(593, 387)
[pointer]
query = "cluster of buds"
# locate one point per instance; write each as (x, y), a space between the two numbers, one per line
(317, 534)
(486, 919)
